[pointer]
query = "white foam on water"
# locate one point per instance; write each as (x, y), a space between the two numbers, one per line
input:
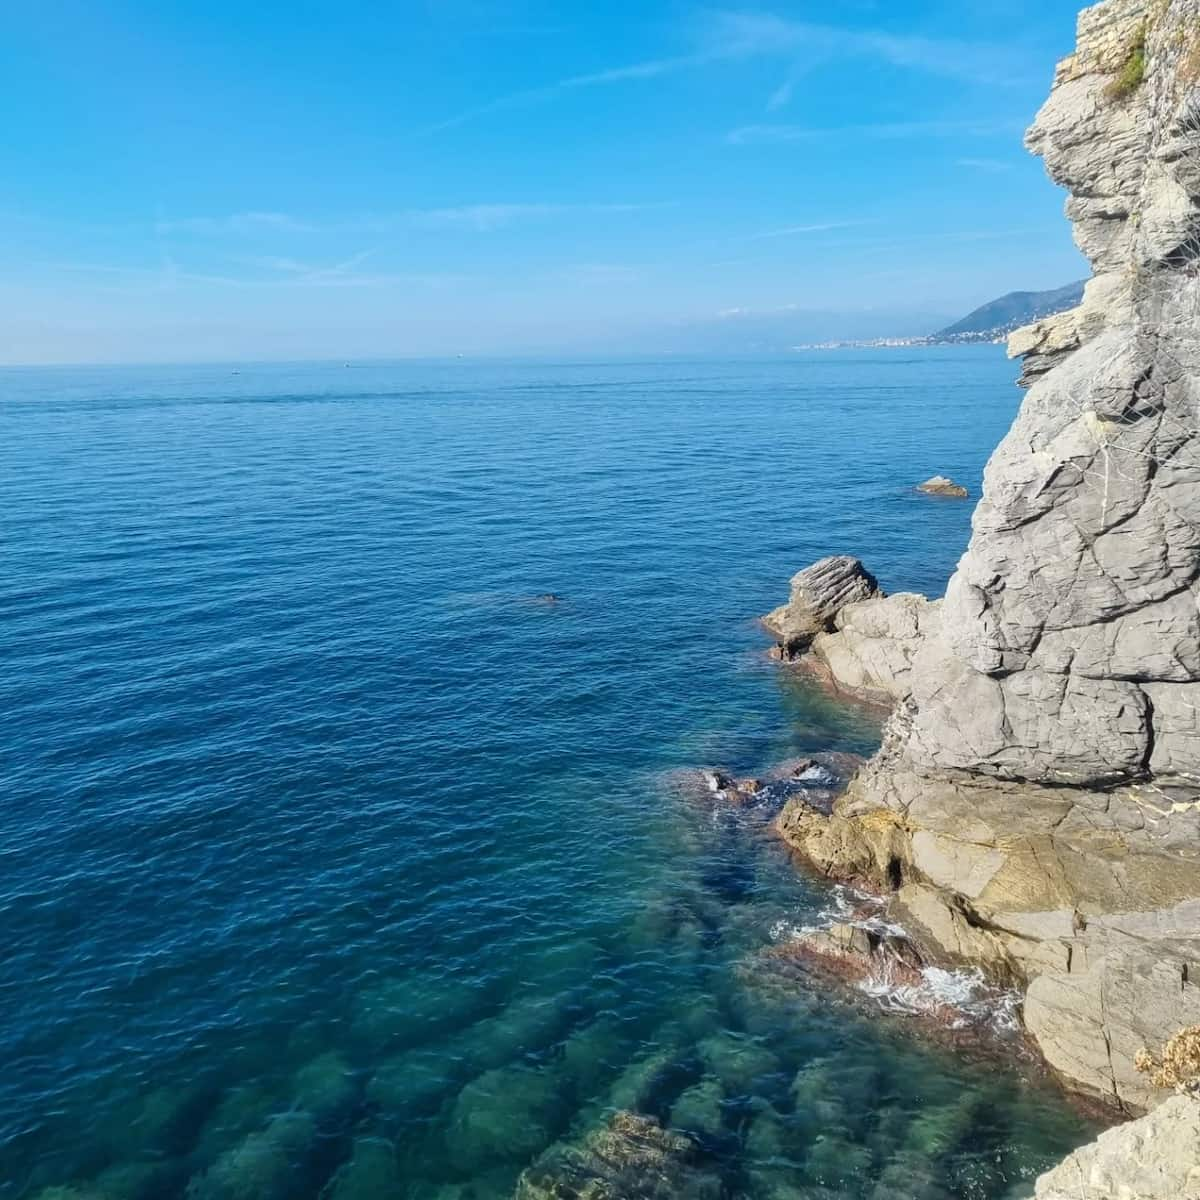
(817, 774)
(848, 906)
(964, 992)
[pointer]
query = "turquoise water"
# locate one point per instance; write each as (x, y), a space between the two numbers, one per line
(335, 862)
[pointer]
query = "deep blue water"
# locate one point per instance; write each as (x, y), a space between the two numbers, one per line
(335, 862)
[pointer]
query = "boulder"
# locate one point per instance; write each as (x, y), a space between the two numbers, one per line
(818, 594)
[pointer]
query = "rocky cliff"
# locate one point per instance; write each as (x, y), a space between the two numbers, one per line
(1036, 805)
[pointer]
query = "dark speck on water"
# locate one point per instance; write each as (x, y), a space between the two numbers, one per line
(301, 900)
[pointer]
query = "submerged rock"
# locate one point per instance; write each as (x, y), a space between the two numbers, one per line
(240, 1112)
(837, 1163)
(409, 1010)
(371, 1173)
(648, 1079)
(504, 1115)
(527, 1024)
(698, 1110)
(740, 1063)
(629, 1158)
(940, 485)
(140, 1180)
(326, 1087)
(70, 1192)
(266, 1166)
(409, 1084)
(593, 1053)
(766, 1137)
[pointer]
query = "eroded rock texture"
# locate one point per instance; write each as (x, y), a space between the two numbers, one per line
(818, 594)
(1156, 1158)
(1037, 801)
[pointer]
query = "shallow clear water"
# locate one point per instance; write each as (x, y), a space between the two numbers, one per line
(335, 861)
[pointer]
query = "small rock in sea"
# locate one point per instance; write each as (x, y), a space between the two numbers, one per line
(803, 767)
(742, 792)
(940, 485)
(718, 781)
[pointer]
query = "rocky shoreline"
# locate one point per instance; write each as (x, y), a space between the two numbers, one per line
(1035, 807)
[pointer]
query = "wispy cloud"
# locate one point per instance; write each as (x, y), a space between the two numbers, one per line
(746, 35)
(237, 223)
(483, 218)
(478, 218)
(781, 96)
(990, 166)
(267, 275)
(802, 230)
(739, 312)
(987, 235)
(649, 69)
(768, 134)
(731, 36)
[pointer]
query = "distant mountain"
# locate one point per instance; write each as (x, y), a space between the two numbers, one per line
(996, 320)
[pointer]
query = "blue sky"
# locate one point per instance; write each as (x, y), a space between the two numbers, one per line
(223, 180)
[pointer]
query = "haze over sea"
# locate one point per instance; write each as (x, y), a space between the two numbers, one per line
(335, 862)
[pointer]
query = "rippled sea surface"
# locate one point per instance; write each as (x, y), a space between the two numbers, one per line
(336, 862)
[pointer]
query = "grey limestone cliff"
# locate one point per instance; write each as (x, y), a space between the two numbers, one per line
(1036, 804)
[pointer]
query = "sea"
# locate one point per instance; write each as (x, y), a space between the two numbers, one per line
(355, 841)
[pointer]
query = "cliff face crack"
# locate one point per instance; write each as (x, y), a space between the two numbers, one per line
(1148, 757)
